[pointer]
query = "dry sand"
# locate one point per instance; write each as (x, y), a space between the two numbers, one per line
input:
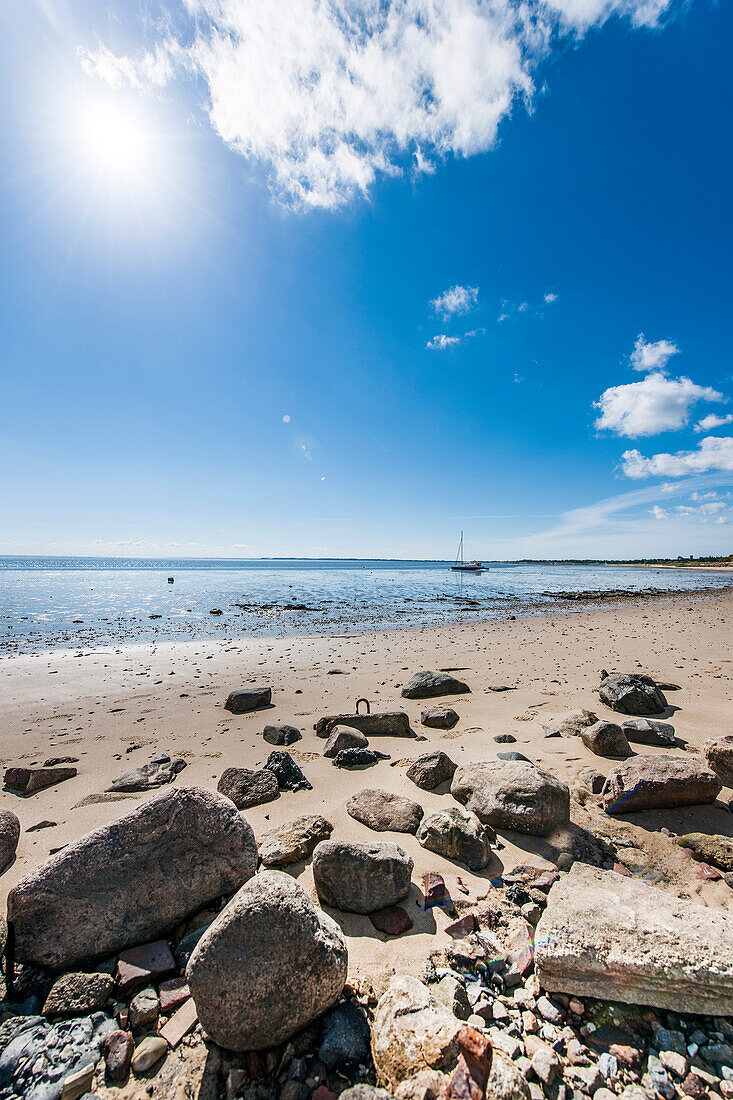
(115, 708)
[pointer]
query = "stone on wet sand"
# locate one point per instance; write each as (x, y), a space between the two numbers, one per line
(616, 938)
(359, 878)
(412, 1031)
(29, 780)
(162, 769)
(429, 685)
(431, 769)
(648, 731)
(281, 734)
(606, 739)
(344, 737)
(455, 833)
(294, 841)
(513, 795)
(383, 811)
(78, 994)
(632, 693)
(248, 992)
(246, 787)
(247, 699)
(9, 837)
(439, 718)
(710, 848)
(654, 782)
(358, 758)
(132, 880)
(718, 753)
(287, 773)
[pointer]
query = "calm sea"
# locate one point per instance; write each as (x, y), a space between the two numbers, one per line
(84, 602)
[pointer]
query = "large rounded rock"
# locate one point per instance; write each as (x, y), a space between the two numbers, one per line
(431, 769)
(455, 833)
(360, 878)
(294, 841)
(131, 881)
(9, 837)
(632, 693)
(718, 753)
(246, 787)
(606, 739)
(513, 794)
(269, 964)
(384, 811)
(428, 685)
(658, 782)
(412, 1031)
(344, 737)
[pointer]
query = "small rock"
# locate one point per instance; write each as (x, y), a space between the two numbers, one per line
(505, 739)
(657, 782)
(294, 841)
(358, 758)
(346, 1038)
(286, 771)
(144, 1009)
(139, 966)
(412, 1031)
(162, 769)
(606, 739)
(632, 693)
(393, 920)
(428, 685)
(513, 795)
(281, 734)
(718, 753)
(361, 878)
(248, 699)
(9, 836)
(430, 770)
(77, 1083)
(455, 833)
(78, 994)
(674, 1062)
(382, 811)
(548, 1011)
(29, 780)
(150, 1051)
(118, 1048)
(439, 718)
(246, 787)
(173, 993)
(452, 993)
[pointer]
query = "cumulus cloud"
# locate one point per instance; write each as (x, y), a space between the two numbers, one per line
(712, 420)
(550, 297)
(659, 513)
(656, 404)
(441, 342)
(712, 453)
(457, 300)
(648, 356)
(330, 94)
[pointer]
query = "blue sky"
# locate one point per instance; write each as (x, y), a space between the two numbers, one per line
(344, 278)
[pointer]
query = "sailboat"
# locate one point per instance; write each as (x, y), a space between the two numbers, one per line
(462, 566)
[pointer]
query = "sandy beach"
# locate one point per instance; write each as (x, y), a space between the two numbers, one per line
(114, 709)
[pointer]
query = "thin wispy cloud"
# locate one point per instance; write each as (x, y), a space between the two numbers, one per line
(648, 356)
(441, 342)
(656, 404)
(712, 421)
(456, 301)
(550, 297)
(329, 95)
(712, 453)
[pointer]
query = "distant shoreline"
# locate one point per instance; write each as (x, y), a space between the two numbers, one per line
(82, 561)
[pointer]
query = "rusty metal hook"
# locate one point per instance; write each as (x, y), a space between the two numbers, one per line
(368, 708)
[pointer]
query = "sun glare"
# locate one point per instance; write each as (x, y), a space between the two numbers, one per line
(114, 142)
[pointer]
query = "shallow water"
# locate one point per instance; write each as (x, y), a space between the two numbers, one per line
(75, 602)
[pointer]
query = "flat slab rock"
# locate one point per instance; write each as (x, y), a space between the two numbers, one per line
(648, 731)
(132, 880)
(29, 780)
(387, 724)
(429, 685)
(616, 938)
(384, 811)
(658, 782)
(162, 769)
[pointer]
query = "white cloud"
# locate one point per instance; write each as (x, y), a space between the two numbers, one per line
(329, 94)
(441, 342)
(656, 404)
(652, 357)
(550, 297)
(457, 300)
(713, 453)
(712, 420)
(659, 513)
(710, 509)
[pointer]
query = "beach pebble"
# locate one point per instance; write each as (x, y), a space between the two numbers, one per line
(359, 878)
(144, 1009)
(148, 1053)
(383, 811)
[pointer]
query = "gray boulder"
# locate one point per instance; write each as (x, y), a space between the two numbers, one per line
(246, 787)
(344, 737)
(455, 833)
(9, 837)
(294, 841)
(361, 878)
(513, 794)
(281, 734)
(247, 699)
(133, 880)
(648, 731)
(431, 769)
(412, 1031)
(269, 964)
(428, 685)
(384, 811)
(718, 753)
(616, 938)
(658, 782)
(162, 769)
(346, 1038)
(287, 773)
(632, 693)
(439, 718)
(606, 739)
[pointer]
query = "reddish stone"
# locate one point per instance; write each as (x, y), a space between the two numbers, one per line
(393, 920)
(694, 1086)
(137, 967)
(322, 1093)
(521, 948)
(462, 1085)
(173, 994)
(705, 871)
(256, 1065)
(118, 1048)
(463, 927)
(435, 890)
(545, 881)
(576, 1007)
(621, 870)
(179, 1024)
(476, 1048)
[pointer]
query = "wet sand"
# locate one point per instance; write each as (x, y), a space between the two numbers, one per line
(115, 708)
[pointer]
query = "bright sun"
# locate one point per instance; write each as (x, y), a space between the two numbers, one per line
(113, 140)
